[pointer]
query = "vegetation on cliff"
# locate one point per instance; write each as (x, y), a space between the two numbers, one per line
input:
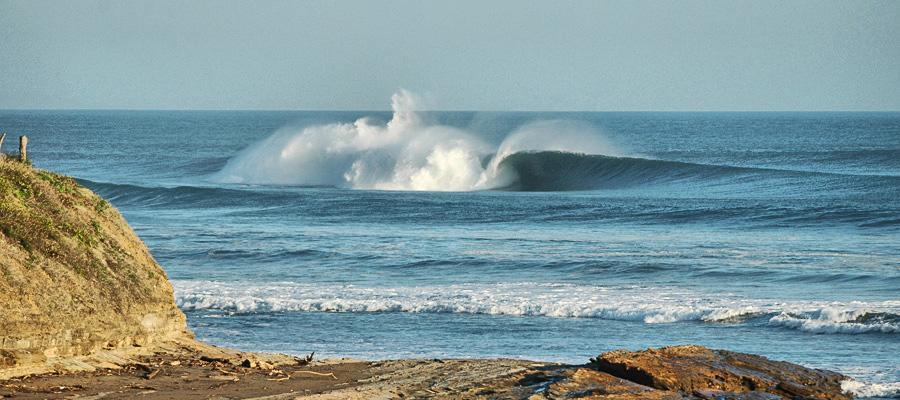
(74, 278)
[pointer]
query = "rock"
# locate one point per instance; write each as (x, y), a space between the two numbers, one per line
(720, 374)
(214, 359)
(257, 362)
(265, 365)
(585, 383)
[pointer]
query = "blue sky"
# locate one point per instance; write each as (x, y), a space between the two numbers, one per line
(460, 55)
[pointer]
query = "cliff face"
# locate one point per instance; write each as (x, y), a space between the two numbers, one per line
(74, 278)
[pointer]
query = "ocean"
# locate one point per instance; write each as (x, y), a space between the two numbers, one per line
(547, 236)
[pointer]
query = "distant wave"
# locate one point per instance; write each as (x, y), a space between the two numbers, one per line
(643, 304)
(410, 153)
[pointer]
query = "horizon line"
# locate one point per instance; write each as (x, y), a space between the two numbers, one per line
(446, 110)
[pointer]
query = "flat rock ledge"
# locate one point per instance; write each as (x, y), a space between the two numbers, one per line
(670, 373)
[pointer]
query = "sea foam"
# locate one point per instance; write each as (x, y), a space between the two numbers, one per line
(866, 389)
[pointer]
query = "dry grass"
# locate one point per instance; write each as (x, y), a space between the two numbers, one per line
(36, 214)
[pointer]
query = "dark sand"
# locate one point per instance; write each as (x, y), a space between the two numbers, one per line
(191, 375)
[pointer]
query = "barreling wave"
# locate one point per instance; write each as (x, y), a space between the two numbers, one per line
(563, 171)
(643, 304)
(559, 171)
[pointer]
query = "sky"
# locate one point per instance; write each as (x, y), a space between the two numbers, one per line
(497, 55)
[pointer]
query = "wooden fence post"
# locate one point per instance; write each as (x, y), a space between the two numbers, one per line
(23, 143)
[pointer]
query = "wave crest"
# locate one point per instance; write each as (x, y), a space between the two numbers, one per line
(839, 321)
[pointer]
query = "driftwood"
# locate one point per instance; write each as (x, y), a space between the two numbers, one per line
(153, 374)
(2, 136)
(331, 374)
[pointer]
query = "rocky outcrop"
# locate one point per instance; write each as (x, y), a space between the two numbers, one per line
(74, 278)
(718, 374)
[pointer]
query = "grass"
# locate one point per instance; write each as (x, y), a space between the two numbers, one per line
(37, 214)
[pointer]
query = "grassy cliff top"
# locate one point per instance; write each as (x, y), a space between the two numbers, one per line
(47, 215)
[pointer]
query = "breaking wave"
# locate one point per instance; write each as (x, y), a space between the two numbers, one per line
(643, 304)
(831, 320)
(406, 153)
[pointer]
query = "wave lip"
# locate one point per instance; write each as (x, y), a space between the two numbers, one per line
(651, 305)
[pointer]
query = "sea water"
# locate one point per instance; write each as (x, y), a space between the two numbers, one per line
(547, 236)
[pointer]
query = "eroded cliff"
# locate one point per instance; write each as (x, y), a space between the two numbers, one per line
(74, 278)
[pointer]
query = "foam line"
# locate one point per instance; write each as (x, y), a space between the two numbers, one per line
(651, 305)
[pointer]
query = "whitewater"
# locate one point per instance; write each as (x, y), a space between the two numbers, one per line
(650, 305)
(551, 236)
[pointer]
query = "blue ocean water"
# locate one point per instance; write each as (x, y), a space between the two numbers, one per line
(561, 235)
